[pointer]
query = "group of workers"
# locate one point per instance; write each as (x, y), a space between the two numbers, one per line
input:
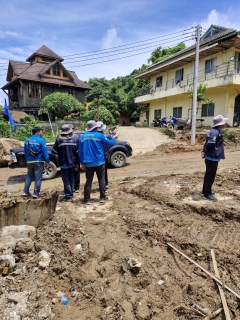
(88, 152)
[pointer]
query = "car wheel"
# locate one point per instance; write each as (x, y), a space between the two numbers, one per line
(51, 172)
(118, 159)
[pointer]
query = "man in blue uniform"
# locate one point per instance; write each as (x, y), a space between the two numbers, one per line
(36, 154)
(66, 146)
(213, 152)
(92, 158)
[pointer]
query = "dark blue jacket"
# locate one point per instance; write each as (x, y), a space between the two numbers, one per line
(38, 145)
(213, 146)
(67, 150)
(91, 147)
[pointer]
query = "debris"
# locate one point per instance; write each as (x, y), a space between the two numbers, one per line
(160, 282)
(44, 259)
(54, 300)
(45, 312)
(133, 264)
(64, 299)
(224, 302)
(24, 245)
(7, 258)
(18, 232)
(78, 247)
(213, 315)
(206, 271)
(6, 269)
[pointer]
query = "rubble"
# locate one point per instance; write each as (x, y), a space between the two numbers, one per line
(18, 232)
(44, 259)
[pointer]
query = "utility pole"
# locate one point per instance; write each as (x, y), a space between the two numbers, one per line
(98, 109)
(195, 85)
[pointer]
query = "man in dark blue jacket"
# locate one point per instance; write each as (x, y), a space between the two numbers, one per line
(213, 152)
(92, 158)
(66, 146)
(36, 154)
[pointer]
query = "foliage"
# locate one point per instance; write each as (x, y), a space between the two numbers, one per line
(167, 132)
(105, 115)
(4, 128)
(230, 135)
(201, 89)
(162, 53)
(25, 130)
(60, 104)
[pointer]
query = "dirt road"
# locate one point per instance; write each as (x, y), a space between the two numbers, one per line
(153, 201)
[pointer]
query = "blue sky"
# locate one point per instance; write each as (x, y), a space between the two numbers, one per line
(72, 27)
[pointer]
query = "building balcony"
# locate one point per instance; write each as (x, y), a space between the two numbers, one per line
(219, 76)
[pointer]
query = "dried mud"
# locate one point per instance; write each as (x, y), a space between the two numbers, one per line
(141, 216)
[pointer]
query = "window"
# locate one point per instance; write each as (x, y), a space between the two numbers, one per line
(158, 113)
(208, 110)
(34, 90)
(64, 75)
(211, 65)
(158, 82)
(56, 70)
(71, 91)
(177, 112)
(178, 76)
(48, 71)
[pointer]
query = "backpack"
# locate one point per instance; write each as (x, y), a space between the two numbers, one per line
(33, 149)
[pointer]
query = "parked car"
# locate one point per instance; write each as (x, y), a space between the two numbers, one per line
(118, 154)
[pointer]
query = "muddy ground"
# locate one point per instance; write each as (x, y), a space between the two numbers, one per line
(155, 200)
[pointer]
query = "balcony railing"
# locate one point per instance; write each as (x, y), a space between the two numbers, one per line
(221, 71)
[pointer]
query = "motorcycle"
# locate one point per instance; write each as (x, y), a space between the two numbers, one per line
(157, 122)
(236, 119)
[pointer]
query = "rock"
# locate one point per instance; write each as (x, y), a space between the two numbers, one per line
(54, 300)
(7, 242)
(24, 245)
(44, 259)
(17, 297)
(134, 264)
(14, 316)
(78, 247)
(45, 312)
(5, 145)
(7, 258)
(18, 232)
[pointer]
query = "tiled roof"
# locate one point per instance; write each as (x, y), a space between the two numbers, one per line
(34, 73)
(45, 52)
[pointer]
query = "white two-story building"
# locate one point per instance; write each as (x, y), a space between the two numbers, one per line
(172, 78)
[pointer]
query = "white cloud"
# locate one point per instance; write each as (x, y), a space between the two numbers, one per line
(111, 39)
(4, 34)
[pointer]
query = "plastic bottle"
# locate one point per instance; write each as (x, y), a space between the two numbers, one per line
(64, 299)
(6, 269)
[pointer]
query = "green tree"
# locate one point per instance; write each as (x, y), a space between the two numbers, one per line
(105, 115)
(160, 54)
(201, 89)
(60, 104)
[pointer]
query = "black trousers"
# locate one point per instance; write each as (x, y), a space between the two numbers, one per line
(106, 173)
(210, 174)
(77, 179)
(100, 171)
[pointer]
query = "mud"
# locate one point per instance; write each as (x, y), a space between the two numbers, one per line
(153, 201)
(141, 216)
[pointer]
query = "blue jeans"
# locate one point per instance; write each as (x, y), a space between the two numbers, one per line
(35, 171)
(68, 181)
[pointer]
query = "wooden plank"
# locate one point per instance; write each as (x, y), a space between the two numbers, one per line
(222, 295)
(206, 271)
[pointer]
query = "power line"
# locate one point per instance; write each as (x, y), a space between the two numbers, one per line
(188, 38)
(126, 45)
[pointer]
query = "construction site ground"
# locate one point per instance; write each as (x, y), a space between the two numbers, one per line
(154, 200)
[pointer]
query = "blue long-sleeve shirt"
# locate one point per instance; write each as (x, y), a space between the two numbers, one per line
(91, 148)
(38, 144)
(213, 147)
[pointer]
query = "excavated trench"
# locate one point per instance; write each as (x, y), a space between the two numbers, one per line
(19, 211)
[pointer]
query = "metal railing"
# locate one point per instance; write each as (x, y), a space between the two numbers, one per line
(224, 71)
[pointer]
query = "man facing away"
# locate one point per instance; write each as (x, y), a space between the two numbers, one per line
(92, 158)
(66, 146)
(36, 154)
(213, 152)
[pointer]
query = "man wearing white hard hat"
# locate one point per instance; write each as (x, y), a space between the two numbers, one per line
(213, 152)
